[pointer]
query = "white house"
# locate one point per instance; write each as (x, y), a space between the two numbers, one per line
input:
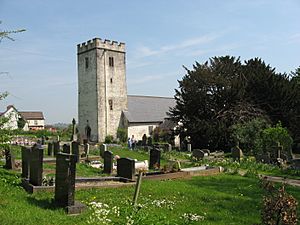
(33, 120)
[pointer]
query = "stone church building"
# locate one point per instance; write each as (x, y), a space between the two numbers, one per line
(103, 103)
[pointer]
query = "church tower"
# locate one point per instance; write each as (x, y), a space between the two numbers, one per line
(102, 90)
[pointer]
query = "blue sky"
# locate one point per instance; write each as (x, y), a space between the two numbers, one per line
(160, 37)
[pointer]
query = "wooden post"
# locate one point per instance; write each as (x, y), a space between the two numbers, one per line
(137, 188)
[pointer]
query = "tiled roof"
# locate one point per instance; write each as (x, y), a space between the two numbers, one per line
(32, 115)
(148, 108)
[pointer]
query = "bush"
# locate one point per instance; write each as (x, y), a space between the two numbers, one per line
(246, 134)
(122, 134)
(273, 136)
(109, 139)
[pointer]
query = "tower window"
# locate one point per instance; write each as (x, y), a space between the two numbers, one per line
(110, 102)
(111, 80)
(111, 61)
(86, 62)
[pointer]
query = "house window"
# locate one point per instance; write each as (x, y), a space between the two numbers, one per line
(110, 102)
(86, 62)
(111, 61)
(35, 122)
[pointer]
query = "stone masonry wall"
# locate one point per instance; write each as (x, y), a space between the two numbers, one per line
(99, 85)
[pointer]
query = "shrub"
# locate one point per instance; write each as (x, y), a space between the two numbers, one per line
(246, 134)
(273, 136)
(108, 139)
(122, 134)
(278, 206)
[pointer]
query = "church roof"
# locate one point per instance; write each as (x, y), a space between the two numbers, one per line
(146, 109)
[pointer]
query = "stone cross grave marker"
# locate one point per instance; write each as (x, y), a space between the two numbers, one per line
(154, 158)
(26, 151)
(36, 166)
(108, 162)
(126, 168)
(9, 159)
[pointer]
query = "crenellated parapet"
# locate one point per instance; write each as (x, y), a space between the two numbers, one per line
(103, 44)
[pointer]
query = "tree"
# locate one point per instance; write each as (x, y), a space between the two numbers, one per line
(5, 134)
(7, 34)
(221, 92)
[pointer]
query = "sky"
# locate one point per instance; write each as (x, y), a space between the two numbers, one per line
(39, 68)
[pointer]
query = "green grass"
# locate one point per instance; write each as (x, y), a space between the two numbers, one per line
(222, 199)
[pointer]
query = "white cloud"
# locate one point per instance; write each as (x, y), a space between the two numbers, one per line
(145, 51)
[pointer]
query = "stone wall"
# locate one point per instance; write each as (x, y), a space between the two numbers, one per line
(139, 130)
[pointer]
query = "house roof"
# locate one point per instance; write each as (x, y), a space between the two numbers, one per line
(32, 115)
(148, 108)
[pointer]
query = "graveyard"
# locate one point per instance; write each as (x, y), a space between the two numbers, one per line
(96, 183)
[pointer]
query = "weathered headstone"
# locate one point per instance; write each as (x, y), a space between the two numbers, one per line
(43, 140)
(66, 149)
(75, 150)
(56, 147)
(9, 159)
(87, 150)
(154, 158)
(103, 148)
(108, 162)
(50, 149)
(36, 166)
(206, 151)
(167, 147)
(149, 141)
(25, 161)
(65, 183)
(237, 153)
(198, 154)
(144, 140)
(189, 147)
(126, 168)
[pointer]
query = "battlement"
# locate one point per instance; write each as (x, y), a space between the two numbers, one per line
(98, 43)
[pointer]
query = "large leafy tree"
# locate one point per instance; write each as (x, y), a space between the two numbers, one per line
(221, 92)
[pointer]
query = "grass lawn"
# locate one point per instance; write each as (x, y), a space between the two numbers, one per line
(222, 199)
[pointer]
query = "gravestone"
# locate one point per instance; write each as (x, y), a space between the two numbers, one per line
(86, 149)
(43, 140)
(25, 161)
(126, 168)
(50, 149)
(198, 154)
(103, 148)
(149, 141)
(66, 149)
(36, 166)
(206, 151)
(189, 147)
(144, 140)
(65, 183)
(237, 153)
(108, 162)
(75, 150)
(9, 159)
(154, 158)
(56, 147)
(167, 147)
